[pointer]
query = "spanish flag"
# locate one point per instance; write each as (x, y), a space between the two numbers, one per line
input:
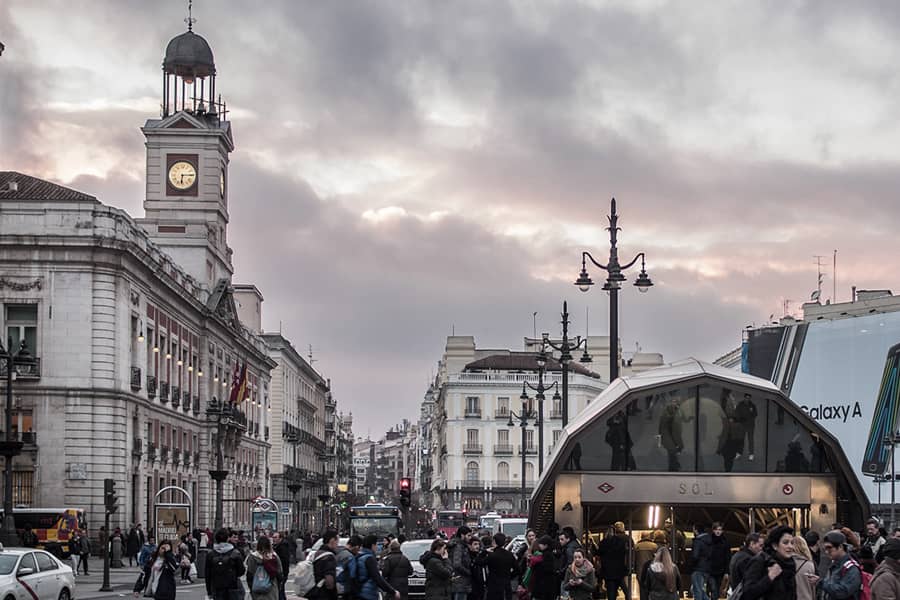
(239, 387)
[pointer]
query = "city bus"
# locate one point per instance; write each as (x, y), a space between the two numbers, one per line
(53, 526)
(488, 520)
(376, 519)
(448, 521)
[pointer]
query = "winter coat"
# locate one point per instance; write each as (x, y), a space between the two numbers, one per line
(711, 554)
(654, 580)
(165, 586)
(804, 566)
(133, 543)
(543, 581)
(396, 568)
(283, 550)
(886, 581)
(438, 574)
(644, 551)
(272, 565)
(613, 554)
(738, 566)
(584, 590)
(367, 572)
(758, 586)
(458, 553)
(841, 583)
(501, 567)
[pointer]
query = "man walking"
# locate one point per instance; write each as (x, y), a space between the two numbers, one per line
(753, 545)
(501, 569)
(462, 564)
(873, 538)
(710, 553)
(224, 568)
(75, 551)
(886, 580)
(283, 551)
(844, 578)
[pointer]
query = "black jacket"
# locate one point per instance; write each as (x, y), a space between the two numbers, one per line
(438, 574)
(283, 551)
(165, 587)
(738, 566)
(711, 554)
(396, 568)
(613, 557)
(758, 586)
(544, 584)
(501, 567)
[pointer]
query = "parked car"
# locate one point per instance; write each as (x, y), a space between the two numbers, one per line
(27, 574)
(412, 550)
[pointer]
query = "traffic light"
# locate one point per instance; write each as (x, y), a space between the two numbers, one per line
(405, 488)
(110, 500)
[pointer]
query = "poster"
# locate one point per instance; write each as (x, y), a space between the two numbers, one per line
(172, 522)
(264, 523)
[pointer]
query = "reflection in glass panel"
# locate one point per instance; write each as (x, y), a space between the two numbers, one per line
(729, 439)
(791, 448)
(660, 423)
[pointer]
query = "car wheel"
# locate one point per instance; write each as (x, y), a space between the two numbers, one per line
(64, 594)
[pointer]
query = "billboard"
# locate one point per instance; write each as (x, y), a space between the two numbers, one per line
(172, 521)
(844, 374)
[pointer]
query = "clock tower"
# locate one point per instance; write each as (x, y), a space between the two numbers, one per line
(188, 147)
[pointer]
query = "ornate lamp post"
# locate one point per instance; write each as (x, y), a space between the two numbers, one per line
(540, 388)
(565, 349)
(230, 425)
(20, 363)
(614, 278)
(522, 417)
(892, 441)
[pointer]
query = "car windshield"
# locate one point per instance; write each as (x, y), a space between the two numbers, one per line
(413, 550)
(380, 526)
(8, 563)
(512, 528)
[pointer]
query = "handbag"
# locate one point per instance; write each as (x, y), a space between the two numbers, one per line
(193, 572)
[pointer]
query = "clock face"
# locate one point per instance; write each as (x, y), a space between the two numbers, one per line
(182, 175)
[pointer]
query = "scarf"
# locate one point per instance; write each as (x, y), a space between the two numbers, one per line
(155, 572)
(585, 569)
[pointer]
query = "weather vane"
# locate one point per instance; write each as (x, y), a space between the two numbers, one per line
(190, 19)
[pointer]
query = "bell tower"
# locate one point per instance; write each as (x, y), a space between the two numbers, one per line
(188, 148)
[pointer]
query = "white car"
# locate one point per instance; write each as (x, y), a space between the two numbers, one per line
(27, 574)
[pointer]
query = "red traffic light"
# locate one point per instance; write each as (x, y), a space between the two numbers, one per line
(405, 483)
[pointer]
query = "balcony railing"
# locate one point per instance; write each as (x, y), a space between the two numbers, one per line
(164, 454)
(187, 458)
(136, 379)
(176, 397)
(137, 446)
(501, 449)
(34, 372)
(151, 386)
(473, 413)
(267, 433)
(196, 406)
(176, 456)
(528, 449)
(472, 448)
(164, 391)
(556, 414)
(196, 458)
(151, 450)
(186, 402)
(501, 413)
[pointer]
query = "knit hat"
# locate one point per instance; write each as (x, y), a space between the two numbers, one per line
(891, 548)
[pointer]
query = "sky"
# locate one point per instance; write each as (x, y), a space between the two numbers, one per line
(409, 169)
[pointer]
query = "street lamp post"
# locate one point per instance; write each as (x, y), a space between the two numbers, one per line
(522, 417)
(614, 278)
(294, 488)
(20, 363)
(230, 424)
(540, 388)
(565, 349)
(892, 441)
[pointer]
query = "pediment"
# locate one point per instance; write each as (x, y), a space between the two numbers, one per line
(182, 120)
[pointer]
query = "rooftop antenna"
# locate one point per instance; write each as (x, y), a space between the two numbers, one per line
(311, 360)
(834, 277)
(534, 324)
(820, 276)
(190, 19)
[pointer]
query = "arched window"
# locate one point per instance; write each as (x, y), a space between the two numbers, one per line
(529, 472)
(472, 471)
(503, 472)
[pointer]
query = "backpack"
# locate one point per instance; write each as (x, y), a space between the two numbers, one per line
(346, 575)
(865, 588)
(305, 579)
(262, 583)
(221, 573)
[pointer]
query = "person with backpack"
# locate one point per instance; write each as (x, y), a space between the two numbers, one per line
(367, 574)
(224, 568)
(845, 579)
(264, 571)
(157, 579)
(346, 568)
(397, 569)
(770, 574)
(323, 567)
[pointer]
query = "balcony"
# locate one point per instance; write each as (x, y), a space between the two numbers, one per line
(472, 449)
(473, 413)
(186, 398)
(503, 449)
(151, 451)
(29, 438)
(196, 406)
(501, 413)
(176, 457)
(34, 372)
(196, 458)
(151, 386)
(531, 449)
(164, 454)
(187, 458)
(163, 391)
(176, 397)
(136, 379)
(267, 433)
(556, 413)
(137, 446)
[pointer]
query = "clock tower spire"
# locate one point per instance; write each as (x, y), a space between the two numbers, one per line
(188, 148)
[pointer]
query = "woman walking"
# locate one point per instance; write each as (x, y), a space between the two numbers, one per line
(661, 578)
(805, 566)
(580, 579)
(263, 571)
(157, 579)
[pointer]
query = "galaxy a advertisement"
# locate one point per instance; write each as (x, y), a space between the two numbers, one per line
(845, 374)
